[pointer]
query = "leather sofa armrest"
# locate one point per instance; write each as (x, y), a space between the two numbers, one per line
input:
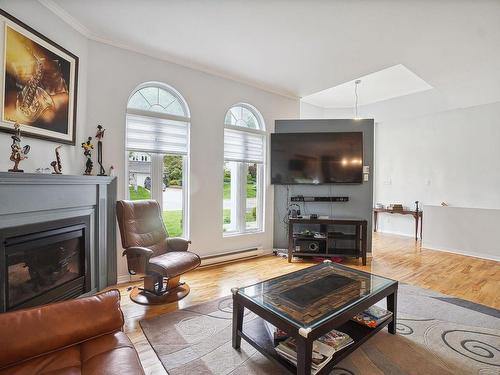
(177, 244)
(32, 332)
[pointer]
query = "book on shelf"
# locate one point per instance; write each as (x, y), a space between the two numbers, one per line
(276, 334)
(323, 349)
(372, 316)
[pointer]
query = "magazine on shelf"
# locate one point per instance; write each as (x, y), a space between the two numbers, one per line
(372, 316)
(321, 353)
(323, 349)
(276, 334)
(336, 339)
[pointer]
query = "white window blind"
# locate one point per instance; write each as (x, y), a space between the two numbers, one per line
(153, 134)
(243, 146)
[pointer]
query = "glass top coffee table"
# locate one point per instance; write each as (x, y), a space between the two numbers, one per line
(308, 304)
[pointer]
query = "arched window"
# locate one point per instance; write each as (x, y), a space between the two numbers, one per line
(244, 159)
(157, 144)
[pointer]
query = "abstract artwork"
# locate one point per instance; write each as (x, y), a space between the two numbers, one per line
(39, 84)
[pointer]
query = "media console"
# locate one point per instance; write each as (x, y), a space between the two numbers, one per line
(327, 237)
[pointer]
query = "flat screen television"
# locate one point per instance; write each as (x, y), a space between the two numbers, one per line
(317, 158)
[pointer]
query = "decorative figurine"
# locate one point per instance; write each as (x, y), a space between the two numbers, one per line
(87, 152)
(56, 164)
(17, 153)
(112, 171)
(99, 136)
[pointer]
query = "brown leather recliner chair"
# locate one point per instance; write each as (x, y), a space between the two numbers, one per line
(152, 253)
(81, 336)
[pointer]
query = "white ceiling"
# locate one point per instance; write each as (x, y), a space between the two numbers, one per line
(385, 84)
(298, 48)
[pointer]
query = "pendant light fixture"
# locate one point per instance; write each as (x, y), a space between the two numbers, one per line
(356, 113)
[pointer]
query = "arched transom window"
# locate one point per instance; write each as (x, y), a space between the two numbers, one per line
(245, 116)
(158, 99)
(157, 144)
(244, 158)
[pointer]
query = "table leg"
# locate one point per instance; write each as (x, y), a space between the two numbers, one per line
(290, 242)
(416, 227)
(392, 306)
(304, 356)
(421, 225)
(237, 322)
(375, 220)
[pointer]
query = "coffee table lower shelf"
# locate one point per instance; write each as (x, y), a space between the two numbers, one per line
(256, 334)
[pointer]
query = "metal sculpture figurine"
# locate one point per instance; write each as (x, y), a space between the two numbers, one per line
(99, 136)
(87, 152)
(17, 153)
(56, 164)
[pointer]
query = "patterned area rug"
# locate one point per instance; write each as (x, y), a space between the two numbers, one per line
(437, 334)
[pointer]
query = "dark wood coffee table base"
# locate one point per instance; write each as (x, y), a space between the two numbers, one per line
(256, 334)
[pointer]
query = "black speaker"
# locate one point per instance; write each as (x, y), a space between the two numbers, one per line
(309, 246)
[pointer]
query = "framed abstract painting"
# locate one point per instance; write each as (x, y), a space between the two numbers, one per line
(39, 84)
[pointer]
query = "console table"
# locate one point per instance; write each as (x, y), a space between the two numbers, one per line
(417, 214)
(339, 237)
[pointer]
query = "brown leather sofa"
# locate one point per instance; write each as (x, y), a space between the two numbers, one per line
(151, 252)
(81, 336)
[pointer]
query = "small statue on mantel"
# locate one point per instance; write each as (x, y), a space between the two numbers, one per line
(17, 153)
(99, 136)
(56, 164)
(87, 152)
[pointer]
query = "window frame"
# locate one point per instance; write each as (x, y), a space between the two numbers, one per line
(157, 165)
(241, 169)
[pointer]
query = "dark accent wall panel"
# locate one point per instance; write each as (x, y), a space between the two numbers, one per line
(360, 203)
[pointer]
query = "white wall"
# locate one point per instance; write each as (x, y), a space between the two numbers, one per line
(107, 76)
(41, 154)
(310, 111)
(468, 231)
(113, 75)
(451, 156)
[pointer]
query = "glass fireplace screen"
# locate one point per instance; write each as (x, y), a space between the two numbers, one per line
(33, 272)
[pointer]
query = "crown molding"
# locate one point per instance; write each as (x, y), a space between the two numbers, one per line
(86, 32)
(66, 17)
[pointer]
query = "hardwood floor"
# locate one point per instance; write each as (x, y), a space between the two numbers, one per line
(399, 258)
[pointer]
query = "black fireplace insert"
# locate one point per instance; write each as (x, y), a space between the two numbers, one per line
(44, 262)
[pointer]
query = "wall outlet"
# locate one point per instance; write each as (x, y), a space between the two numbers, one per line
(366, 169)
(365, 177)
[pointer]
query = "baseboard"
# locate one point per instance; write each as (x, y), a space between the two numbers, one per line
(458, 252)
(402, 234)
(122, 279)
(232, 256)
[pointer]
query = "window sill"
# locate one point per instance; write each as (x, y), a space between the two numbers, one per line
(237, 234)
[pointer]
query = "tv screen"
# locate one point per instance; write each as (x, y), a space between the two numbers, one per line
(317, 158)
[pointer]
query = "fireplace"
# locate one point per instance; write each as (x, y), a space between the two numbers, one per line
(44, 262)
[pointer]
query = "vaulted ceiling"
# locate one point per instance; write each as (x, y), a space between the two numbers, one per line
(297, 48)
